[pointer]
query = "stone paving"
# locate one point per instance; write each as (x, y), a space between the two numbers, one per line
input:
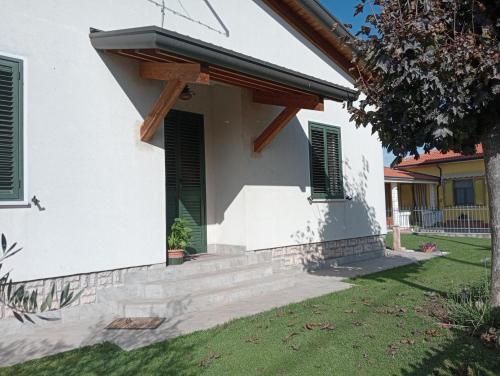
(85, 324)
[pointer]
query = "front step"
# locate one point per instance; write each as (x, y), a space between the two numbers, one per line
(205, 298)
(206, 264)
(168, 287)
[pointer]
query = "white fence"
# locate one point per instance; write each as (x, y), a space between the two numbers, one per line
(457, 219)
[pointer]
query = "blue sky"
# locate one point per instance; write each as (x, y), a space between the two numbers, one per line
(344, 11)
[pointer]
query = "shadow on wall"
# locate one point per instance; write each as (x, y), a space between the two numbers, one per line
(232, 121)
(354, 216)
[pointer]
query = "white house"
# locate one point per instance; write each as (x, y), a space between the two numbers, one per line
(118, 116)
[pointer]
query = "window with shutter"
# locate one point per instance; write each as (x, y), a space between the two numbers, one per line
(325, 162)
(11, 174)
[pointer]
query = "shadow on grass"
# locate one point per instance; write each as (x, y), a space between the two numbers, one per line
(163, 358)
(405, 275)
(465, 262)
(461, 355)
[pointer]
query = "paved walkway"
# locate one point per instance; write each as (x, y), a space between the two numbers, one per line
(22, 342)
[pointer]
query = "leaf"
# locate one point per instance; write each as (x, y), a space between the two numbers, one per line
(327, 326)
(27, 317)
(295, 347)
(253, 339)
(205, 362)
(289, 336)
(45, 318)
(392, 350)
(11, 247)
(33, 300)
(6, 256)
(358, 9)
(18, 316)
(4, 243)
(64, 293)
(75, 297)
(47, 304)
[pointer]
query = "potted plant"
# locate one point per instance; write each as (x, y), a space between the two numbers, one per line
(178, 240)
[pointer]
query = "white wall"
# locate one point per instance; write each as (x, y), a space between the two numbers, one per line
(103, 189)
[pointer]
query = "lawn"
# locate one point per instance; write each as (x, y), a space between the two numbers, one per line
(379, 327)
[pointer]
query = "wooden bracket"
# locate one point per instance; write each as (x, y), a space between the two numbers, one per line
(274, 128)
(188, 72)
(177, 76)
(161, 107)
(308, 102)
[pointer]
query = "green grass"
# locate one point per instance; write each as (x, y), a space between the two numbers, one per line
(375, 324)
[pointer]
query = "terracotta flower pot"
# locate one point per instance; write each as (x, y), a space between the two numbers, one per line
(175, 256)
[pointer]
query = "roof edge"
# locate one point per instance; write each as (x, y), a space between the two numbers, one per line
(151, 37)
(327, 19)
(440, 161)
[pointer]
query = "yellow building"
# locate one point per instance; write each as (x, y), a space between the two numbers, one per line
(449, 188)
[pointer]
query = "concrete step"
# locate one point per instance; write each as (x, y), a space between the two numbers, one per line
(168, 288)
(205, 298)
(205, 264)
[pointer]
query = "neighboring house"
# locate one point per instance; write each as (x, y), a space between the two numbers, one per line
(248, 139)
(448, 188)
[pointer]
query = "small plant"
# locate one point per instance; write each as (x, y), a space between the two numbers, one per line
(23, 303)
(470, 307)
(428, 247)
(180, 235)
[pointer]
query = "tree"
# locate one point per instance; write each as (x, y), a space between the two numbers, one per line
(430, 73)
(23, 303)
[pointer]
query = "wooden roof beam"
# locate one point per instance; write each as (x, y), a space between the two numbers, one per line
(274, 128)
(308, 102)
(190, 73)
(161, 107)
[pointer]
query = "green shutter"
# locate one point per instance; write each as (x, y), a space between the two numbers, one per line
(11, 185)
(325, 162)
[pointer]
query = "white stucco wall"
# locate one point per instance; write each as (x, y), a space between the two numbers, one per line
(103, 189)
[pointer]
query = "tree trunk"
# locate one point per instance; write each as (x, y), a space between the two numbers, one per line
(491, 145)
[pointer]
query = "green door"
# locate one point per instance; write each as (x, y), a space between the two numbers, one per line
(185, 175)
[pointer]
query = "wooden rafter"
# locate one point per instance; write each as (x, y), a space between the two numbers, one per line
(310, 28)
(309, 102)
(174, 71)
(161, 107)
(274, 128)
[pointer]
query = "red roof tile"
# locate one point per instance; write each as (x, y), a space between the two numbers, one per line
(392, 174)
(436, 156)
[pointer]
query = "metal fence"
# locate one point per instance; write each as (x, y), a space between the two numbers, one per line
(457, 219)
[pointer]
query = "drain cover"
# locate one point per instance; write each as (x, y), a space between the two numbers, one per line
(136, 323)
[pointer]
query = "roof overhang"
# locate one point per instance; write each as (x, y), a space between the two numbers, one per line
(320, 27)
(465, 158)
(180, 60)
(409, 181)
(154, 44)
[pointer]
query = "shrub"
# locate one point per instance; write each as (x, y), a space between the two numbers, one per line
(24, 303)
(470, 307)
(180, 234)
